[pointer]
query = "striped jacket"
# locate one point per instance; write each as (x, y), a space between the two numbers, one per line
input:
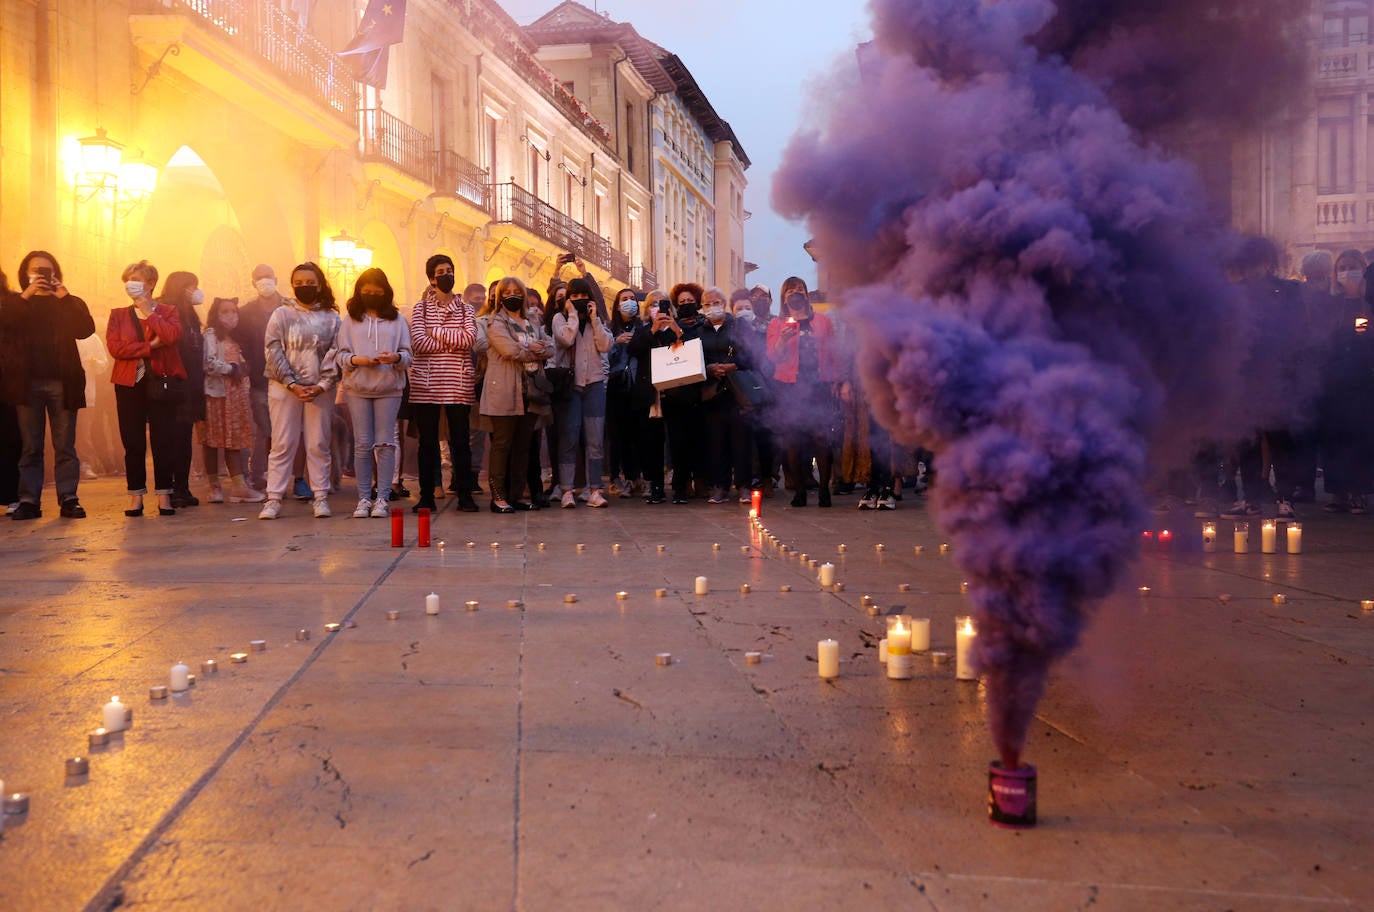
(442, 336)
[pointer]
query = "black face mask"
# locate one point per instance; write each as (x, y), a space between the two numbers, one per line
(372, 302)
(687, 311)
(580, 305)
(513, 303)
(307, 294)
(445, 283)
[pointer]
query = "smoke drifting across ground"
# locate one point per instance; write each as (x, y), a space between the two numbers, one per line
(1038, 291)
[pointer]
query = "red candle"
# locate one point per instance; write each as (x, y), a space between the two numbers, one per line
(1147, 535)
(398, 527)
(1165, 538)
(423, 534)
(756, 502)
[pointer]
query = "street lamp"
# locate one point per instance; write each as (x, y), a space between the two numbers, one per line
(98, 170)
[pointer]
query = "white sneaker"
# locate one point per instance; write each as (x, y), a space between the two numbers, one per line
(364, 509)
(596, 499)
(322, 510)
(380, 509)
(583, 496)
(245, 494)
(569, 501)
(12, 509)
(270, 510)
(869, 501)
(216, 494)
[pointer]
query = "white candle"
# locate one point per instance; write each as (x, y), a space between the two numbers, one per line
(882, 650)
(1295, 538)
(920, 634)
(827, 574)
(113, 715)
(181, 678)
(432, 603)
(898, 636)
(1209, 537)
(1242, 538)
(702, 586)
(1269, 537)
(964, 637)
(828, 659)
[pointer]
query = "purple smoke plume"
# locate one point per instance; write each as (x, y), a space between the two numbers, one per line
(1038, 290)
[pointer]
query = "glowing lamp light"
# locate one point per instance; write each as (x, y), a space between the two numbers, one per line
(340, 247)
(137, 181)
(100, 158)
(1361, 323)
(362, 255)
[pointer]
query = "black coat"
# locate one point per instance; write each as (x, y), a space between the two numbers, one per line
(16, 327)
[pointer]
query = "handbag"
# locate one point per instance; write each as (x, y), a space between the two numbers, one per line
(161, 387)
(560, 382)
(538, 392)
(672, 366)
(751, 393)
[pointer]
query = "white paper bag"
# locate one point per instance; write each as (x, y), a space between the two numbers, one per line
(672, 367)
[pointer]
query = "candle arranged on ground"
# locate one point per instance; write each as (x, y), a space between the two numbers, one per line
(1209, 537)
(432, 603)
(964, 637)
(882, 650)
(1269, 537)
(470, 604)
(828, 659)
(703, 586)
(1242, 537)
(899, 647)
(180, 678)
(920, 634)
(1294, 538)
(756, 502)
(113, 715)
(827, 574)
(1367, 604)
(1166, 538)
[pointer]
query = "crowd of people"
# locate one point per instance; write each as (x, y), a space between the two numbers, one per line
(556, 385)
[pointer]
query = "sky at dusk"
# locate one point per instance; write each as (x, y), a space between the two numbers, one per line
(755, 59)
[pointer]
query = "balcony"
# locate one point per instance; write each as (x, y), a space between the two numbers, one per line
(253, 54)
(389, 139)
(619, 267)
(512, 205)
(454, 175)
(643, 278)
(1345, 63)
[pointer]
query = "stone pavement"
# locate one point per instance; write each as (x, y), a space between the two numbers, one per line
(1194, 754)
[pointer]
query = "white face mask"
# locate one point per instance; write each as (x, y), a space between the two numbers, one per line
(748, 316)
(229, 320)
(266, 286)
(629, 308)
(1350, 276)
(715, 313)
(197, 298)
(133, 289)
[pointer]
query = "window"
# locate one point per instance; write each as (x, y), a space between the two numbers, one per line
(1345, 23)
(491, 128)
(1335, 146)
(536, 159)
(630, 138)
(441, 110)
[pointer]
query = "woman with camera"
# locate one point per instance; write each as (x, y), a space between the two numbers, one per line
(583, 341)
(683, 417)
(801, 345)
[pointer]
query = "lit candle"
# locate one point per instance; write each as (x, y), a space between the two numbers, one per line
(827, 574)
(919, 549)
(181, 678)
(663, 658)
(660, 593)
(113, 715)
(920, 634)
(209, 667)
(1295, 538)
(843, 549)
(581, 547)
(744, 589)
(470, 604)
(898, 648)
(1280, 599)
(944, 548)
(1166, 538)
(471, 545)
(715, 546)
(615, 548)
(903, 587)
(98, 737)
(1367, 604)
(78, 766)
(302, 635)
(238, 658)
(753, 658)
(784, 588)
(828, 659)
(570, 598)
(1242, 537)
(622, 595)
(432, 603)
(964, 636)
(702, 586)
(1269, 537)
(1209, 537)
(963, 587)
(756, 502)
(660, 548)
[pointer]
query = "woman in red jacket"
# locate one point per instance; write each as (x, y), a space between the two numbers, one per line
(801, 345)
(142, 339)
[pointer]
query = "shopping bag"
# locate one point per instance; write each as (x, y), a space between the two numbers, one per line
(674, 366)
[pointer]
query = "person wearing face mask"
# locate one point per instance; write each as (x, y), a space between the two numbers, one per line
(228, 423)
(1344, 437)
(534, 475)
(683, 419)
(374, 354)
(302, 365)
(478, 438)
(142, 338)
(182, 291)
(624, 417)
(251, 335)
(516, 349)
(727, 428)
(443, 379)
(801, 345)
(753, 335)
(44, 381)
(583, 341)
(658, 310)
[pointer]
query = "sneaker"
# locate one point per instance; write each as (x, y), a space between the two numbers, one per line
(1357, 505)
(569, 501)
(322, 510)
(746, 497)
(380, 509)
(656, 496)
(1241, 509)
(717, 496)
(869, 501)
(597, 499)
(26, 510)
(72, 509)
(270, 510)
(1286, 511)
(184, 499)
(556, 492)
(399, 492)
(87, 472)
(627, 491)
(364, 509)
(613, 489)
(244, 494)
(12, 508)
(583, 495)
(216, 494)
(301, 490)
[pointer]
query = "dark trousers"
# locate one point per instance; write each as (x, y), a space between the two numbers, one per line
(144, 422)
(426, 418)
(686, 427)
(508, 462)
(802, 447)
(534, 478)
(622, 449)
(181, 456)
(727, 443)
(653, 433)
(879, 457)
(765, 448)
(11, 446)
(1254, 475)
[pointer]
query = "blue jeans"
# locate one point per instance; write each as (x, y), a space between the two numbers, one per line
(583, 415)
(374, 428)
(44, 409)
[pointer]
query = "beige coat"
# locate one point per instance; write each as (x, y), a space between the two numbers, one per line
(508, 352)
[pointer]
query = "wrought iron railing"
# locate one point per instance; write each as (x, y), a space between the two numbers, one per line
(643, 278)
(387, 138)
(619, 266)
(454, 174)
(513, 205)
(274, 37)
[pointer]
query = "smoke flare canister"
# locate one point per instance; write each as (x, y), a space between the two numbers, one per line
(423, 526)
(1011, 796)
(398, 528)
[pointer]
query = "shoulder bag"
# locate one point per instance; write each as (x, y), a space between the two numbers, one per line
(161, 387)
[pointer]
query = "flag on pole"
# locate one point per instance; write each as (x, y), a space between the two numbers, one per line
(383, 25)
